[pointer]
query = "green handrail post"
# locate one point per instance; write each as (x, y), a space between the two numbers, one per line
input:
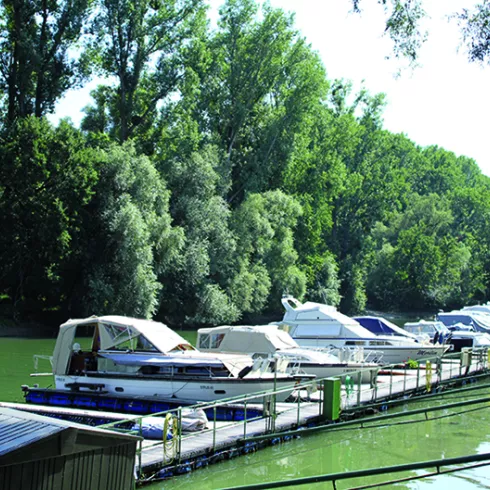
(298, 410)
(179, 432)
(140, 442)
(359, 384)
(245, 419)
(214, 429)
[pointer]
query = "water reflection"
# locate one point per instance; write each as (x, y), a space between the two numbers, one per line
(348, 450)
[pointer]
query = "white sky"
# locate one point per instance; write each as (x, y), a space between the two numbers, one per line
(443, 102)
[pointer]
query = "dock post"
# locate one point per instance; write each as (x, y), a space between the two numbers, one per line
(331, 398)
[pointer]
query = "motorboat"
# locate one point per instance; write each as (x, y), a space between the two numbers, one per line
(319, 325)
(142, 358)
(268, 341)
(480, 321)
(456, 335)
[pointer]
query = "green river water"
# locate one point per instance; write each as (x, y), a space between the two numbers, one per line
(456, 434)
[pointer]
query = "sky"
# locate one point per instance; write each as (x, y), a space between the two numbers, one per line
(442, 102)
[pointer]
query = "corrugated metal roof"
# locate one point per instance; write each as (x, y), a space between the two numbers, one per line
(17, 430)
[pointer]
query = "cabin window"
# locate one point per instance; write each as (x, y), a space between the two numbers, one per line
(354, 342)
(126, 340)
(216, 340)
(203, 341)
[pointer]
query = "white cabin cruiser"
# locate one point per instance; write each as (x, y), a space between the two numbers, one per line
(319, 325)
(268, 340)
(142, 358)
(457, 335)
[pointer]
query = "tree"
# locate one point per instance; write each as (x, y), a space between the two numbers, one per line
(37, 41)
(206, 264)
(130, 240)
(404, 26)
(47, 178)
(420, 262)
(264, 224)
(138, 42)
(258, 81)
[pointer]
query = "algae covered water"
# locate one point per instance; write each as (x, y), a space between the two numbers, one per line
(456, 432)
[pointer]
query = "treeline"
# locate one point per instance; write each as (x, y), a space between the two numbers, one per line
(215, 170)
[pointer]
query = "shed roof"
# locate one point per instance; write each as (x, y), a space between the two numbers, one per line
(26, 436)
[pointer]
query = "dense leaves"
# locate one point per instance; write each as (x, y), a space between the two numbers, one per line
(217, 170)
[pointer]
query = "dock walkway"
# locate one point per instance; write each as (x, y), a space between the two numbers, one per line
(222, 437)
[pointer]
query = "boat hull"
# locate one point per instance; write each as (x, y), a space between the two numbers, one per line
(385, 354)
(188, 390)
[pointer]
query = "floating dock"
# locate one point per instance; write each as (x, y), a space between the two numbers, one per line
(242, 425)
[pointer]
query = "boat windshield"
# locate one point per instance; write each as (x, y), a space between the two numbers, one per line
(123, 338)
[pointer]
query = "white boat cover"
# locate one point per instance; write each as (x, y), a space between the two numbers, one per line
(265, 339)
(113, 333)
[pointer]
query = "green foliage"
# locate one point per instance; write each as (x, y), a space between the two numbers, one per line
(138, 42)
(46, 179)
(264, 225)
(419, 263)
(35, 53)
(132, 233)
(243, 173)
(258, 83)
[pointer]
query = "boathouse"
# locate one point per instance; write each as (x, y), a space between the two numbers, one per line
(43, 452)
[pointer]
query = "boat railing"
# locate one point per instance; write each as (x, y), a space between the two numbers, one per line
(39, 357)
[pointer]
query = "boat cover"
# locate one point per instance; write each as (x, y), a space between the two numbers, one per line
(132, 359)
(263, 339)
(113, 333)
(381, 326)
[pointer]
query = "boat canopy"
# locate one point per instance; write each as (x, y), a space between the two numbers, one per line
(194, 359)
(382, 326)
(479, 321)
(428, 327)
(116, 333)
(485, 308)
(263, 339)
